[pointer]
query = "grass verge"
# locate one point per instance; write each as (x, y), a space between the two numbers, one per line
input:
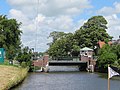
(11, 76)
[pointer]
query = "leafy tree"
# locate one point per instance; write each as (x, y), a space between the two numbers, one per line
(87, 36)
(64, 46)
(24, 55)
(56, 35)
(91, 32)
(106, 56)
(40, 54)
(75, 50)
(24, 58)
(10, 36)
(116, 50)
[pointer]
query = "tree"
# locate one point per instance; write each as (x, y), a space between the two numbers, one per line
(75, 50)
(64, 46)
(10, 36)
(24, 56)
(92, 31)
(56, 35)
(105, 57)
(116, 50)
(87, 36)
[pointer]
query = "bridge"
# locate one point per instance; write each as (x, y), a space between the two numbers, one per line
(45, 63)
(66, 63)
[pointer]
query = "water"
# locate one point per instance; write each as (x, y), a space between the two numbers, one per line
(67, 78)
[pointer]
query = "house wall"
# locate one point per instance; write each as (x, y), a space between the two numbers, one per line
(86, 55)
(84, 58)
(41, 63)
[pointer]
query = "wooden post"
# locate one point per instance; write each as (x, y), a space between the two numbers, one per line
(108, 79)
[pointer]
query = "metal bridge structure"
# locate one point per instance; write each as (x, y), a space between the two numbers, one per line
(45, 62)
(66, 63)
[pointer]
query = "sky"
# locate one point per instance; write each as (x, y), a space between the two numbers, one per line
(41, 17)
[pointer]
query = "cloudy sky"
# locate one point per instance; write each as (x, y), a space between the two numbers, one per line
(40, 17)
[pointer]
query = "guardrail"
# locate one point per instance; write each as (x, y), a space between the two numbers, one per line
(64, 59)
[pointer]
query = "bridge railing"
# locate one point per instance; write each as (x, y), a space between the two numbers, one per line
(64, 59)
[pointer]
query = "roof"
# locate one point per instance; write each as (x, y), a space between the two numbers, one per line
(86, 49)
(102, 43)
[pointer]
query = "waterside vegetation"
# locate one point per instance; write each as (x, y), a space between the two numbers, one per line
(11, 76)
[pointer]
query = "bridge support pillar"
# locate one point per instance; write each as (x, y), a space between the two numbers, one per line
(46, 68)
(90, 68)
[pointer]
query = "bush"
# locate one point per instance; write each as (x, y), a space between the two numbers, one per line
(24, 64)
(106, 56)
(119, 61)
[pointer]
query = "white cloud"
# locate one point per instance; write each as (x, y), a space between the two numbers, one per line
(50, 7)
(61, 23)
(110, 10)
(18, 15)
(38, 28)
(113, 25)
(40, 18)
(117, 7)
(111, 14)
(113, 20)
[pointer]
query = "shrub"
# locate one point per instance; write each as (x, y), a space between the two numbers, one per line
(106, 56)
(24, 64)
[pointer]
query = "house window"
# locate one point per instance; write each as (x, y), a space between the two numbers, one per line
(85, 54)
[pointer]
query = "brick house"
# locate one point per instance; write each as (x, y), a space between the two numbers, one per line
(86, 54)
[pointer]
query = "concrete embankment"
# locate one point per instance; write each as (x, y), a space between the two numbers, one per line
(11, 76)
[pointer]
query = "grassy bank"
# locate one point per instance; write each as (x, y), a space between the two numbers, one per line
(11, 76)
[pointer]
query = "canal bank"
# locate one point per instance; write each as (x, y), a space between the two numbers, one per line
(11, 76)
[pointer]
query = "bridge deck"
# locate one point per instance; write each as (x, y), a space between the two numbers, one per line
(66, 63)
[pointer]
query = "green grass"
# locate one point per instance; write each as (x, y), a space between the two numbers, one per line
(11, 76)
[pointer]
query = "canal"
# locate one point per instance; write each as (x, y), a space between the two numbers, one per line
(67, 78)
